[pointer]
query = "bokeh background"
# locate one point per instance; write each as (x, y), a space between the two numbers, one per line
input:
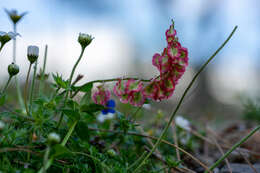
(127, 34)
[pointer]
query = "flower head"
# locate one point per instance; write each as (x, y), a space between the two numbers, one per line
(5, 37)
(101, 96)
(84, 40)
(13, 69)
(32, 53)
(14, 16)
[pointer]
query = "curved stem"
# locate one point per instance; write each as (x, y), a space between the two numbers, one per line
(66, 138)
(26, 88)
(70, 79)
(181, 100)
(6, 85)
(233, 148)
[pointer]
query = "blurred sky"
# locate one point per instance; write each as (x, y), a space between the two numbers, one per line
(129, 31)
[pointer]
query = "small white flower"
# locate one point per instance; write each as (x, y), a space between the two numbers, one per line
(147, 106)
(14, 16)
(32, 53)
(183, 123)
(5, 37)
(103, 117)
(2, 125)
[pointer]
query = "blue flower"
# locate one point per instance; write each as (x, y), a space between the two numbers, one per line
(110, 105)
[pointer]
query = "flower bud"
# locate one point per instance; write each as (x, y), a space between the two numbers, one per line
(53, 138)
(2, 125)
(84, 39)
(13, 69)
(32, 53)
(111, 153)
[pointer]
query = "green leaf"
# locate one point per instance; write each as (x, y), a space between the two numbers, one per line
(82, 131)
(58, 150)
(92, 108)
(73, 114)
(86, 99)
(83, 88)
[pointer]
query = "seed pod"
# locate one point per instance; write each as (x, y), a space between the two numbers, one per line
(13, 69)
(32, 53)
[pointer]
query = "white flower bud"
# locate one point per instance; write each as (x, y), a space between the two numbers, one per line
(84, 39)
(53, 138)
(32, 53)
(183, 123)
(2, 125)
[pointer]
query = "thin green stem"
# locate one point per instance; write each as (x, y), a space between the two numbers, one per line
(70, 79)
(45, 159)
(32, 86)
(43, 70)
(6, 85)
(137, 161)
(243, 140)
(26, 88)
(94, 158)
(14, 44)
(66, 138)
(181, 100)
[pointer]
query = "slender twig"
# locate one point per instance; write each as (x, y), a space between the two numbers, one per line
(243, 140)
(182, 98)
(137, 161)
(219, 148)
(66, 138)
(25, 90)
(175, 138)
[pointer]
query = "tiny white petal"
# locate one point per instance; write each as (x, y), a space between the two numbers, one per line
(182, 122)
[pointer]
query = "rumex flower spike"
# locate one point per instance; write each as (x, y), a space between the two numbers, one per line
(101, 96)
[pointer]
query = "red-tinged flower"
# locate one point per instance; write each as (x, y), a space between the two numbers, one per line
(137, 98)
(150, 91)
(156, 61)
(170, 34)
(101, 96)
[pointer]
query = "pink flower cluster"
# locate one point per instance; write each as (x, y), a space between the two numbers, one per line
(101, 96)
(171, 63)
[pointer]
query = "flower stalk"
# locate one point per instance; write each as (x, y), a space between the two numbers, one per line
(181, 100)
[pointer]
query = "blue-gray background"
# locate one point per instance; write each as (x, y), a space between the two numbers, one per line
(128, 32)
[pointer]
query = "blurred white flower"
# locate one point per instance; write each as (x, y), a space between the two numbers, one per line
(32, 53)
(103, 117)
(147, 106)
(182, 122)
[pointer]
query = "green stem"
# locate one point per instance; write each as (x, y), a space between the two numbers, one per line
(137, 161)
(1, 47)
(70, 79)
(45, 159)
(43, 70)
(26, 88)
(18, 89)
(66, 138)
(181, 100)
(233, 148)
(32, 86)
(19, 93)
(6, 85)
(48, 163)
(14, 45)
